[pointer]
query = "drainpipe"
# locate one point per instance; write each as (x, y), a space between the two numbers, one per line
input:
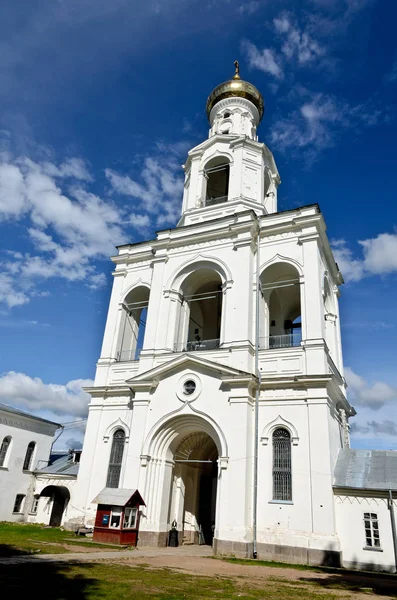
(258, 385)
(393, 526)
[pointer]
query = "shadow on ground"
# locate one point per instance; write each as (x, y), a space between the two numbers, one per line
(376, 583)
(55, 581)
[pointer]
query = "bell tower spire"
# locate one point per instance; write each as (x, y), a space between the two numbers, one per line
(231, 171)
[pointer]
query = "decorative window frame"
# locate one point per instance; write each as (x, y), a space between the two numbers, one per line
(110, 429)
(279, 421)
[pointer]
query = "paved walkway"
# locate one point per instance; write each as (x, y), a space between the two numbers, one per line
(135, 553)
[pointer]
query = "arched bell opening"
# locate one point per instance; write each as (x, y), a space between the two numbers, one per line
(281, 325)
(194, 487)
(57, 500)
(200, 312)
(133, 324)
(217, 173)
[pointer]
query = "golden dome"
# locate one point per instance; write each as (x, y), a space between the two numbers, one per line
(236, 87)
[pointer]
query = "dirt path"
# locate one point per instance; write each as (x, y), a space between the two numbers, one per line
(198, 560)
(347, 585)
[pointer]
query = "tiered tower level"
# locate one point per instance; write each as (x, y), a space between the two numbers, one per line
(176, 375)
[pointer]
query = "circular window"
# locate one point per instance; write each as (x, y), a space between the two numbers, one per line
(189, 387)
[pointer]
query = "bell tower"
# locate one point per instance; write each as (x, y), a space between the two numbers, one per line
(231, 171)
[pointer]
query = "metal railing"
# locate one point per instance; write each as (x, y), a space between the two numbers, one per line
(212, 201)
(195, 346)
(128, 355)
(287, 340)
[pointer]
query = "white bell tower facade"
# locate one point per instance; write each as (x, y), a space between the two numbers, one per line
(231, 315)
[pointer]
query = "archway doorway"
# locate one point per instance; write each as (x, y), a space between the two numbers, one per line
(194, 487)
(59, 496)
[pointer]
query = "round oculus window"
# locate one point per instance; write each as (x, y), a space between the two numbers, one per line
(189, 387)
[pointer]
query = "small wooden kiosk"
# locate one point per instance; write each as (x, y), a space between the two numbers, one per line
(117, 516)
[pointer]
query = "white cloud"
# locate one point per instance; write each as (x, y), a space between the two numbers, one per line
(72, 167)
(159, 193)
(71, 229)
(373, 395)
(249, 7)
(298, 44)
(317, 123)
(352, 269)
(380, 254)
(265, 60)
(9, 295)
(31, 394)
(379, 257)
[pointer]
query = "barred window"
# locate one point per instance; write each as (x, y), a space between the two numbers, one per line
(282, 488)
(27, 463)
(371, 525)
(4, 449)
(116, 458)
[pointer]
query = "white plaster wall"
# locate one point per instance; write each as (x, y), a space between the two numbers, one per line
(349, 510)
(13, 480)
(308, 520)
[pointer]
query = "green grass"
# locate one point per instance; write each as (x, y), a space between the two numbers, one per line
(29, 538)
(119, 582)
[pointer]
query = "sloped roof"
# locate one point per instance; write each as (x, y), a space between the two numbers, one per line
(21, 413)
(117, 496)
(184, 360)
(61, 466)
(366, 469)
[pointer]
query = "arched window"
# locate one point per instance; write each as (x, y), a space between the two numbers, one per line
(27, 463)
(4, 449)
(116, 458)
(217, 176)
(281, 303)
(200, 312)
(282, 485)
(133, 324)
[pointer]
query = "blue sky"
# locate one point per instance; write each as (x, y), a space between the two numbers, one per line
(99, 103)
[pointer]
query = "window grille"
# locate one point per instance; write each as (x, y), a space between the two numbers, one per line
(29, 456)
(18, 503)
(116, 458)
(3, 450)
(371, 525)
(282, 488)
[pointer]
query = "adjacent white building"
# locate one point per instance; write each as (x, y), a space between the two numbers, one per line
(25, 445)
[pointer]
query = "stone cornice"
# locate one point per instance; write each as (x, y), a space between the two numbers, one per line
(108, 391)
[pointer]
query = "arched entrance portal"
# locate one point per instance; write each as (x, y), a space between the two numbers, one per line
(194, 487)
(182, 480)
(59, 496)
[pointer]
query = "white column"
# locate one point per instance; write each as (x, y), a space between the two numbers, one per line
(111, 334)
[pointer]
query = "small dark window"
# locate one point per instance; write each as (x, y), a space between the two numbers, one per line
(116, 459)
(189, 387)
(18, 503)
(29, 456)
(226, 115)
(35, 503)
(4, 449)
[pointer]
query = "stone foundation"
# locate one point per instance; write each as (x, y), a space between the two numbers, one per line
(279, 553)
(152, 538)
